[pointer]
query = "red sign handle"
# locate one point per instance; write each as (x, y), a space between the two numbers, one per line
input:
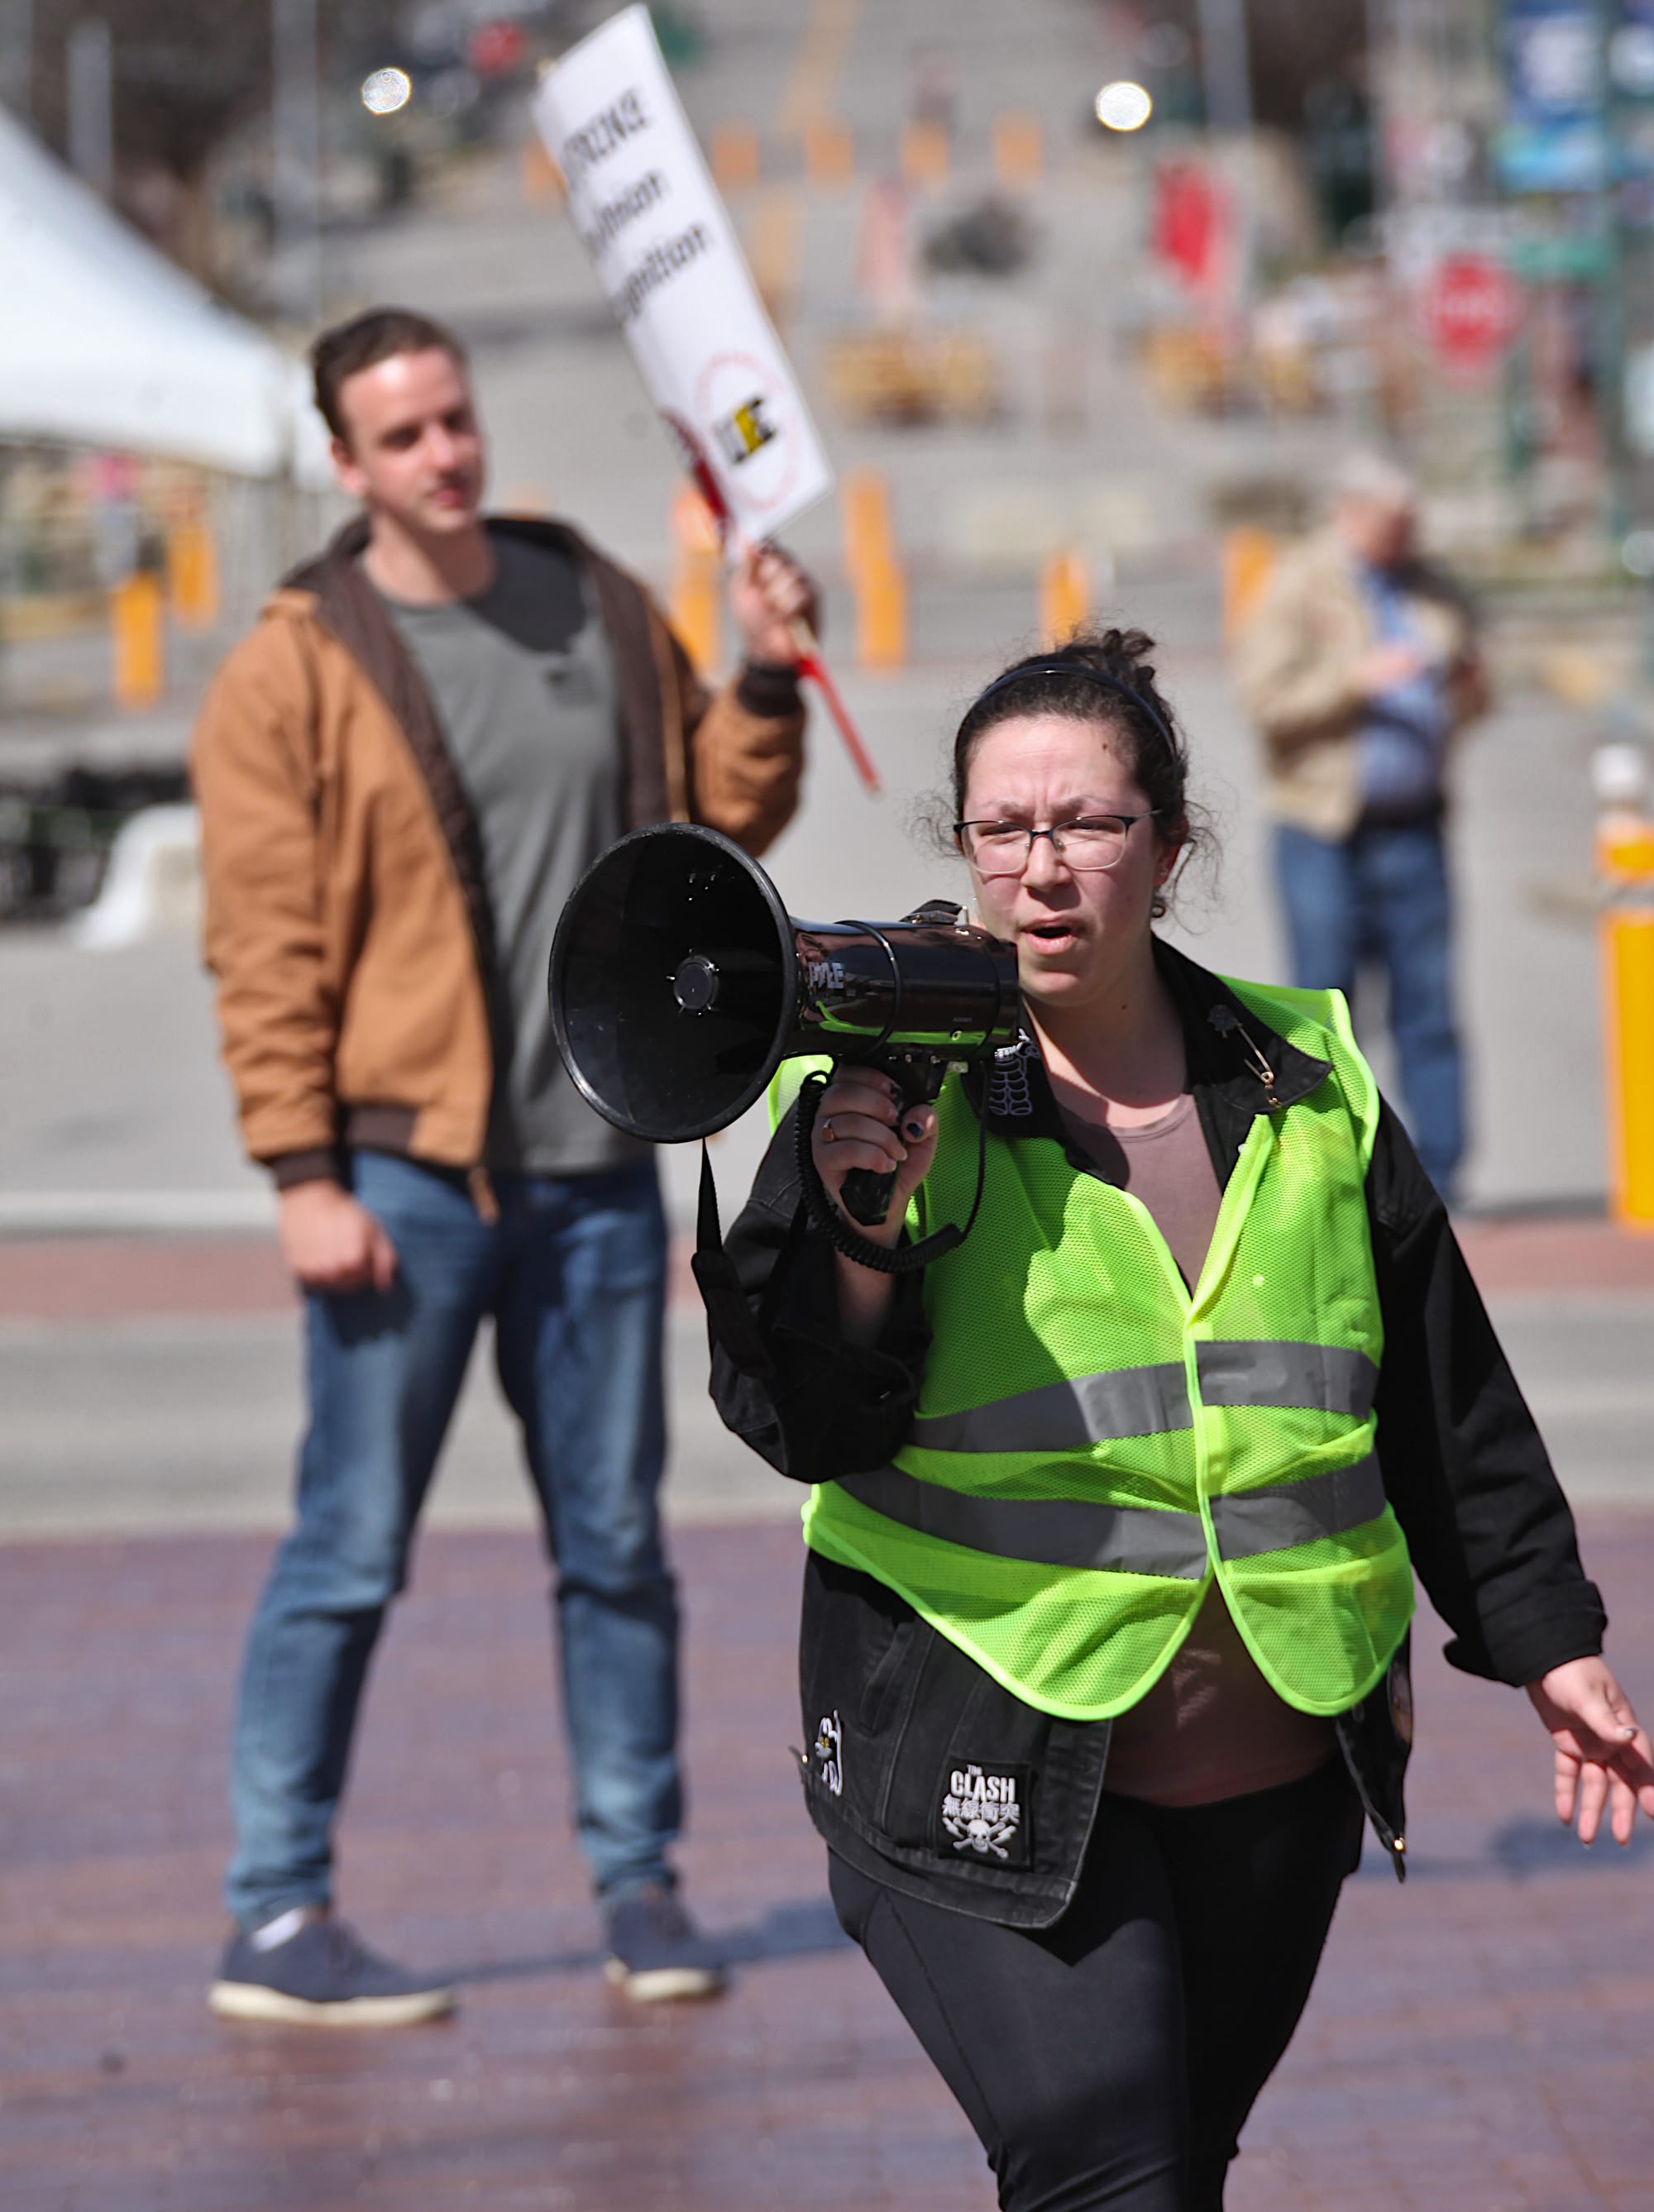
(812, 665)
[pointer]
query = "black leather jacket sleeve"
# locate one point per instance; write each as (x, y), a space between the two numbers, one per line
(830, 1408)
(1464, 1466)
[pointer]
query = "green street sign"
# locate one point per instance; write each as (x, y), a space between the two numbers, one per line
(1561, 260)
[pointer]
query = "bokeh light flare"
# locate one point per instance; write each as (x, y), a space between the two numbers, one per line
(1123, 105)
(386, 90)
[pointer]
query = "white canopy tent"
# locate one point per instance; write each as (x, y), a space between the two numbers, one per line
(103, 341)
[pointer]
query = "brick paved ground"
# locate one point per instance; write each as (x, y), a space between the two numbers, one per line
(100, 1278)
(1483, 2041)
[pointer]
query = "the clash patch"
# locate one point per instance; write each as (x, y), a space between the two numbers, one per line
(984, 1814)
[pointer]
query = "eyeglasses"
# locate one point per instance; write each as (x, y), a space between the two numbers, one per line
(1090, 843)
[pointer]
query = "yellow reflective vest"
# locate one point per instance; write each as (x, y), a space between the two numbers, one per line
(1094, 1444)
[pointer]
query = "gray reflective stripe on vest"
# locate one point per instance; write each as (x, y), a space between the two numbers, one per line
(1274, 1520)
(1326, 1378)
(1127, 1540)
(1092, 1409)
(1051, 1532)
(1151, 1402)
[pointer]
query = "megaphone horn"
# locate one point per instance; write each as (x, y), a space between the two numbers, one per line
(679, 983)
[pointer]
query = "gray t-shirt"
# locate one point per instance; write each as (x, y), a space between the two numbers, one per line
(523, 681)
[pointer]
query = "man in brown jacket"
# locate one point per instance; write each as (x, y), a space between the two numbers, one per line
(402, 773)
(1361, 668)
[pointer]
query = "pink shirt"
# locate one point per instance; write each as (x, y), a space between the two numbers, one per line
(1211, 1727)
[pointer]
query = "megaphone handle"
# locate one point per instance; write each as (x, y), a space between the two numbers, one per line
(867, 1195)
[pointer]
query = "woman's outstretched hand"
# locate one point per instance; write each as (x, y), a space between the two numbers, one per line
(1601, 1754)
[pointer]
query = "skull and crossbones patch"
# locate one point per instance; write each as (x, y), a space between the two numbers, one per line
(984, 1812)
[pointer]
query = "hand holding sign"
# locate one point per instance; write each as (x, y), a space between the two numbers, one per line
(661, 239)
(768, 596)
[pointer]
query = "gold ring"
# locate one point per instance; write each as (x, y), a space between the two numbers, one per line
(827, 1136)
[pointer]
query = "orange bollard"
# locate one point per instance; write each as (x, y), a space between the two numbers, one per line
(829, 152)
(774, 253)
(1248, 555)
(868, 538)
(540, 177)
(1018, 150)
(696, 605)
(733, 150)
(1065, 597)
(695, 599)
(881, 615)
(192, 575)
(925, 154)
(138, 639)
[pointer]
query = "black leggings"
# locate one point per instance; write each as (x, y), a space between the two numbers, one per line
(1112, 2059)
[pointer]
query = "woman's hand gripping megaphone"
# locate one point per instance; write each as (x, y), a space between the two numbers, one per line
(865, 1121)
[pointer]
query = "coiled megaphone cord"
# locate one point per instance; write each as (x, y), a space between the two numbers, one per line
(825, 1217)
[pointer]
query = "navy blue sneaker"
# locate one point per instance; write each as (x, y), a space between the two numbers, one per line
(655, 1952)
(309, 1969)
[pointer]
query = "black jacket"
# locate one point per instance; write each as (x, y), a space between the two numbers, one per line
(892, 1710)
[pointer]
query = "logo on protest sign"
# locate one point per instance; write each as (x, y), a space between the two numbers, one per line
(740, 434)
(737, 394)
(661, 239)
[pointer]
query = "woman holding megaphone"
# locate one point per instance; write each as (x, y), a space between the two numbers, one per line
(1119, 1499)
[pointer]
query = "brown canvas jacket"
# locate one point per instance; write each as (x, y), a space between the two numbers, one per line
(1295, 663)
(347, 917)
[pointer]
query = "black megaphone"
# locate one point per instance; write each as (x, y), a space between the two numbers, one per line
(679, 984)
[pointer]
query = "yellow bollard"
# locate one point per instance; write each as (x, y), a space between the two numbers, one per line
(829, 152)
(1065, 597)
(1018, 150)
(192, 575)
(1625, 848)
(881, 615)
(138, 639)
(925, 154)
(733, 150)
(1248, 555)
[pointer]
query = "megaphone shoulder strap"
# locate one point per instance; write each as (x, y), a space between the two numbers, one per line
(728, 1315)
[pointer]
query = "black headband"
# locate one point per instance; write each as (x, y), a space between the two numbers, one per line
(1082, 668)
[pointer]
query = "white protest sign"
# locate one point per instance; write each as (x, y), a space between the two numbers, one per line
(650, 217)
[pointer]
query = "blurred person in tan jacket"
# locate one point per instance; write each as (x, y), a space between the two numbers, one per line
(1360, 667)
(402, 771)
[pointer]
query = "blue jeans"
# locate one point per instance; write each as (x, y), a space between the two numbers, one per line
(1381, 896)
(574, 1274)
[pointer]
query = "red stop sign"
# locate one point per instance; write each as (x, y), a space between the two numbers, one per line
(1472, 310)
